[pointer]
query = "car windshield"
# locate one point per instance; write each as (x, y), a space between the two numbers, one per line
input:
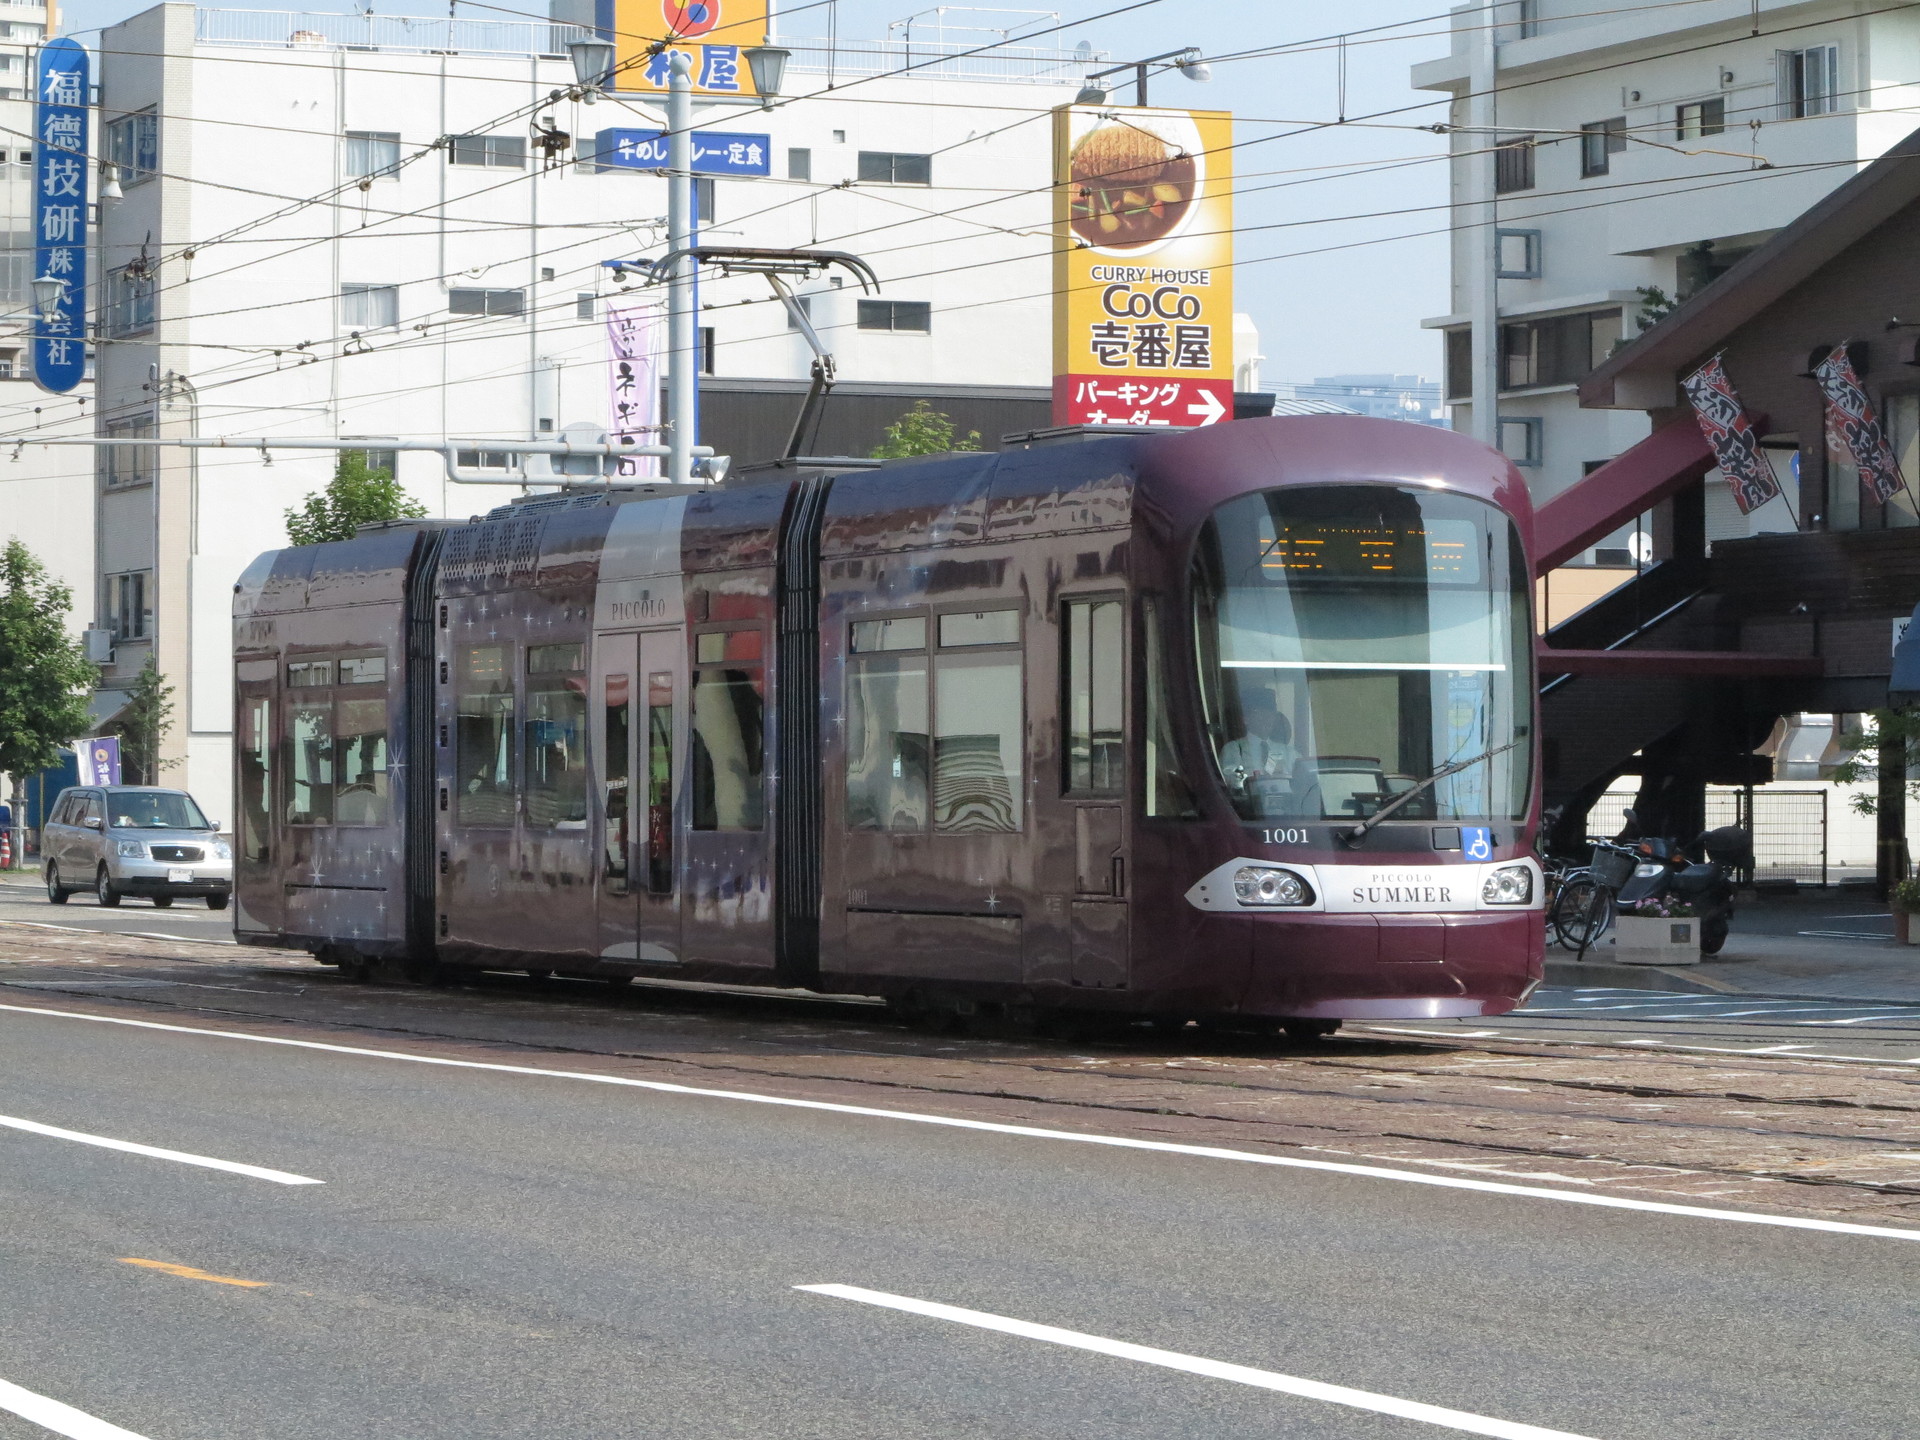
(1353, 639)
(154, 810)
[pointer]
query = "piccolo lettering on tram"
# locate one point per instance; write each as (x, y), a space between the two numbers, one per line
(1234, 723)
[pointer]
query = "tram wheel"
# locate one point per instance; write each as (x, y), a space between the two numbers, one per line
(1305, 1032)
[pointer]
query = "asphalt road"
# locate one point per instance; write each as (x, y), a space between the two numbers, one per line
(496, 1252)
(182, 920)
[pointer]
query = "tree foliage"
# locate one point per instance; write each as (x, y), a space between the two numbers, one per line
(44, 674)
(143, 726)
(923, 430)
(358, 494)
(1862, 765)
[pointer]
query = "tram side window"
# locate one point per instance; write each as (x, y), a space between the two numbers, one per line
(659, 780)
(887, 729)
(310, 771)
(979, 734)
(955, 763)
(256, 776)
(483, 736)
(1096, 696)
(556, 735)
(360, 741)
(728, 705)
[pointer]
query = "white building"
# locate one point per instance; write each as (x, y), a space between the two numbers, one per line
(1647, 147)
(299, 255)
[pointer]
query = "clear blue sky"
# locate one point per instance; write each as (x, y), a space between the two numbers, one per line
(1354, 306)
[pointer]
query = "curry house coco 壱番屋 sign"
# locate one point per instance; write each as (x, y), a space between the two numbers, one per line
(1143, 266)
(714, 34)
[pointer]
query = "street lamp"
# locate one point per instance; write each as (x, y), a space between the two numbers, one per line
(1187, 62)
(109, 184)
(592, 59)
(48, 292)
(768, 65)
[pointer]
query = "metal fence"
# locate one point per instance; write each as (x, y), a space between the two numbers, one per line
(1789, 829)
(851, 59)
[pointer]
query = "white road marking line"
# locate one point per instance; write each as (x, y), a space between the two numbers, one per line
(103, 930)
(1861, 1019)
(278, 1177)
(1197, 1365)
(1030, 1132)
(60, 1419)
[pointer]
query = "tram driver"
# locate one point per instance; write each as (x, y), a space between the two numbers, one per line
(1264, 751)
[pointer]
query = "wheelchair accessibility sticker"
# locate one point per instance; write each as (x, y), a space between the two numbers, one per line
(1477, 842)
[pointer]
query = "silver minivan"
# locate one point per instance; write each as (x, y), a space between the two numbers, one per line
(119, 840)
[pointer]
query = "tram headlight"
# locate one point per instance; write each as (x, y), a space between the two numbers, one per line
(1256, 885)
(1509, 885)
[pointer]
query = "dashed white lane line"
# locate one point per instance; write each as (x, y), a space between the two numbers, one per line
(205, 1162)
(60, 1419)
(1029, 1132)
(1198, 1365)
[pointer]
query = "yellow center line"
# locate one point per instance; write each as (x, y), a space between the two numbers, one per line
(187, 1272)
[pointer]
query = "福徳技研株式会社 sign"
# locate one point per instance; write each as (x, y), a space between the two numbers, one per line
(62, 93)
(715, 152)
(1143, 266)
(714, 34)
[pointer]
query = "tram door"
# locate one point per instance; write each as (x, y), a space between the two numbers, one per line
(638, 724)
(256, 860)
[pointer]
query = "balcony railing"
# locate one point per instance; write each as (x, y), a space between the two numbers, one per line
(855, 59)
(400, 34)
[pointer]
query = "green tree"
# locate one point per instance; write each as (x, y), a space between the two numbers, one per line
(923, 430)
(1655, 306)
(143, 726)
(44, 674)
(1862, 765)
(359, 494)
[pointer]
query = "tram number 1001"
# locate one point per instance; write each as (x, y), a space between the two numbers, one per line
(1284, 837)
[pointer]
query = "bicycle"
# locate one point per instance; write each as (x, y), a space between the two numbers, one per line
(1583, 909)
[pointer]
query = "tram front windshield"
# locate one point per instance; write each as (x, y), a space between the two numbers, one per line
(1353, 639)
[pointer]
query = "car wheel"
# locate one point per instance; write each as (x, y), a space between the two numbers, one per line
(161, 902)
(216, 902)
(104, 890)
(56, 892)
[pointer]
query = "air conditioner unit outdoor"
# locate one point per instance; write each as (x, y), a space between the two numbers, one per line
(99, 645)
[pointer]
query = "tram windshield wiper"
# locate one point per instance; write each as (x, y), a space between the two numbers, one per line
(1359, 832)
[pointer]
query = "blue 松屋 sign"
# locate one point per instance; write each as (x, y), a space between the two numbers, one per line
(715, 152)
(60, 149)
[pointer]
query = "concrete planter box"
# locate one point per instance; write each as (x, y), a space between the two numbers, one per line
(1648, 940)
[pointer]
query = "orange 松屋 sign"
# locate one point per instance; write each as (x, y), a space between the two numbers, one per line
(1143, 266)
(715, 34)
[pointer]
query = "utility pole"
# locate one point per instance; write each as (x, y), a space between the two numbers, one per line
(681, 361)
(1483, 244)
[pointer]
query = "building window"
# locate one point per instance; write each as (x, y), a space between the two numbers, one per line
(1558, 350)
(799, 164)
(805, 303)
(122, 465)
(886, 168)
(369, 307)
(1520, 439)
(9, 364)
(133, 146)
(1700, 118)
(504, 152)
(1809, 81)
(127, 595)
(129, 301)
(1599, 143)
(487, 302)
(703, 199)
(1513, 165)
(1519, 254)
(483, 459)
(703, 348)
(907, 317)
(373, 154)
(375, 458)
(584, 307)
(16, 269)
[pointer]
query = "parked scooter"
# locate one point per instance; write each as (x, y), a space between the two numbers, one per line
(1699, 874)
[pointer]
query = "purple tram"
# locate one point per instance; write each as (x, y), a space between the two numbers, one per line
(1232, 724)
